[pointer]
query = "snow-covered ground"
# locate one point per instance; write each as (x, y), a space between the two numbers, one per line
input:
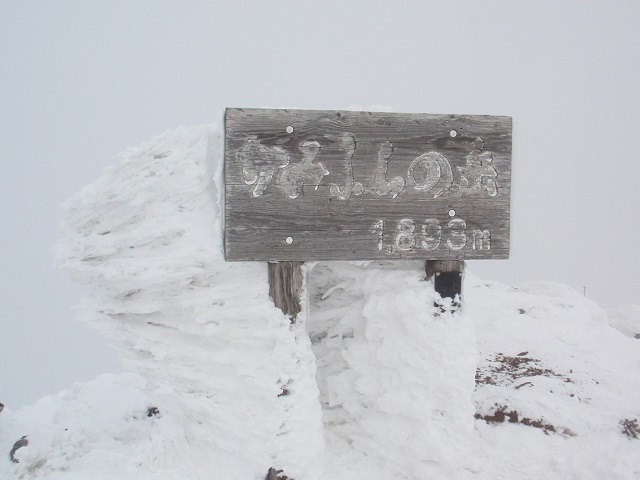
(524, 383)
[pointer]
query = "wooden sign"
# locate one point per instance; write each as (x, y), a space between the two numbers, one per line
(340, 185)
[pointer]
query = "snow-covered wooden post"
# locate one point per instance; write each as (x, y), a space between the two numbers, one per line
(447, 278)
(285, 286)
(306, 185)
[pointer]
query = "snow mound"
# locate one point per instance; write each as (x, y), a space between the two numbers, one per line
(370, 383)
(555, 385)
(395, 379)
(91, 426)
(145, 239)
(233, 380)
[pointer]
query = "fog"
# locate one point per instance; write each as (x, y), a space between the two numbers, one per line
(81, 81)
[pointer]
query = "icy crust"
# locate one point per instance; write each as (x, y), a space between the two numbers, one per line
(395, 379)
(145, 241)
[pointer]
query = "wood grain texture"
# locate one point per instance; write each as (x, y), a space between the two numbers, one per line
(338, 185)
(431, 267)
(285, 286)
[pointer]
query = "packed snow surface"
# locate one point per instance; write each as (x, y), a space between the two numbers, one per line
(371, 382)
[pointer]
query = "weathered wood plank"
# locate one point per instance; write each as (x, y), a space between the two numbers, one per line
(431, 267)
(335, 185)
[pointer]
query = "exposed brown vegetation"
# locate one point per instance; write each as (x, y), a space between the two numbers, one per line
(505, 369)
(630, 427)
(501, 414)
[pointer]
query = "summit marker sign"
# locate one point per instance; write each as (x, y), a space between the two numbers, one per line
(339, 185)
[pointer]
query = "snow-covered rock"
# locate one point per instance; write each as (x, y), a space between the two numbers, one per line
(371, 383)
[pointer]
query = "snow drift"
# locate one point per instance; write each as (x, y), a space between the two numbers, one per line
(370, 384)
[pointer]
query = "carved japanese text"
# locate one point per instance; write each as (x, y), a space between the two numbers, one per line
(380, 185)
(348, 144)
(306, 172)
(430, 173)
(259, 163)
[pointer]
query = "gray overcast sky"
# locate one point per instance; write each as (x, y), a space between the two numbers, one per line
(81, 81)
